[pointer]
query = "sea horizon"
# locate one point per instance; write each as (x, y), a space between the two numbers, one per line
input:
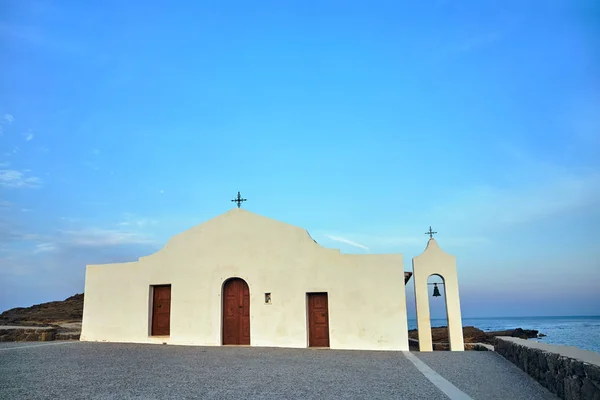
(529, 316)
(581, 331)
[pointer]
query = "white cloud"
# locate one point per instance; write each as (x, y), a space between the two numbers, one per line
(399, 242)
(349, 242)
(91, 165)
(580, 121)
(45, 248)
(8, 118)
(477, 41)
(5, 119)
(28, 136)
(31, 35)
(535, 190)
(493, 206)
(133, 221)
(10, 178)
(105, 237)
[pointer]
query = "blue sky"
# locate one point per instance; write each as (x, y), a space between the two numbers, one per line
(124, 123)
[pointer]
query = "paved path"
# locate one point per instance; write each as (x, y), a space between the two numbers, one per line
(78, 370)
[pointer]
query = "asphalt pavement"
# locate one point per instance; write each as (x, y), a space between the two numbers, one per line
(83, 370)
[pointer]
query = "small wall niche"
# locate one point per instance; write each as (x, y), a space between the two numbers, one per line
(267, 298)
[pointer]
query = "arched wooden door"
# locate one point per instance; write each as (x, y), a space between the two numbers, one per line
(236, 312)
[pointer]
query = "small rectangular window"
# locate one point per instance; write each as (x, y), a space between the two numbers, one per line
(267, 298)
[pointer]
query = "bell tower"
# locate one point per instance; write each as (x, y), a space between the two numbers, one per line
(434, 261)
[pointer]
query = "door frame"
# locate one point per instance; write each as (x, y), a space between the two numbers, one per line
(308, 318)
(151, 308)
(222, 306)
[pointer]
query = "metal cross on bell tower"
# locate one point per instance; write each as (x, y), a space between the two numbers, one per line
(239, 200)
(430, 233)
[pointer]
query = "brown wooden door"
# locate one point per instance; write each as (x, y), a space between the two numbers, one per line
(161, 310)
(236, 312)
(318, 320)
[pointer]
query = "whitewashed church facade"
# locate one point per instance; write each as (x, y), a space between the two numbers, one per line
(244, 279)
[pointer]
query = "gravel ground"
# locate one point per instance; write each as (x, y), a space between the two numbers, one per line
(485, 375)
(81, 370)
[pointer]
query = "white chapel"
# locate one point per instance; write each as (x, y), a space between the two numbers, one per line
(244, 279)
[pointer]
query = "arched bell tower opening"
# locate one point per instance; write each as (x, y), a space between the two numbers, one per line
(438, 268)
(438, 312)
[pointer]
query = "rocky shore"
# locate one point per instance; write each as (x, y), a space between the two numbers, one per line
(471, 335)
(56, 320)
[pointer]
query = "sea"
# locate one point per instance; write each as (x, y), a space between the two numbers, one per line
(581, 332)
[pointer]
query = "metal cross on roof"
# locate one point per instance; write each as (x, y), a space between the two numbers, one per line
(239, 200)
(430, 233)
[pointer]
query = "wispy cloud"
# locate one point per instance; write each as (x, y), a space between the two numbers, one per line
(140, 223)
(5, 119)
(539, 190)
(582, 121)
(45, 248)
(509, 206)
(91, 165)
(10, 178)
(47, 40)
(95, 152)
(347, 241)
(476, 41)
(402, 242)
(28, 136)
(105, 237)
(8, 118)
(131, 220)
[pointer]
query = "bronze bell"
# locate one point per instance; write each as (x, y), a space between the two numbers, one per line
(436, 291)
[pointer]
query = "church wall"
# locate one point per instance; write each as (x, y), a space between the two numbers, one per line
(366, 293)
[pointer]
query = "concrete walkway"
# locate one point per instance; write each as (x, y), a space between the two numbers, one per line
(79, 370)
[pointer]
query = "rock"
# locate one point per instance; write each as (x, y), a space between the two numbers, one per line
(518, 332)
(56, 320)
(440, 335)
(69, 310)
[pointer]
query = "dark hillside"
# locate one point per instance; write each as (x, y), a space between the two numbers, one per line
(68, 310)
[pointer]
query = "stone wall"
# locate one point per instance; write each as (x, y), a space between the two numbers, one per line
(568, 372)
(26, 334)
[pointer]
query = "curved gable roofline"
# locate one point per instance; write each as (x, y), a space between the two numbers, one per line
(244, 217)
(433, 248)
